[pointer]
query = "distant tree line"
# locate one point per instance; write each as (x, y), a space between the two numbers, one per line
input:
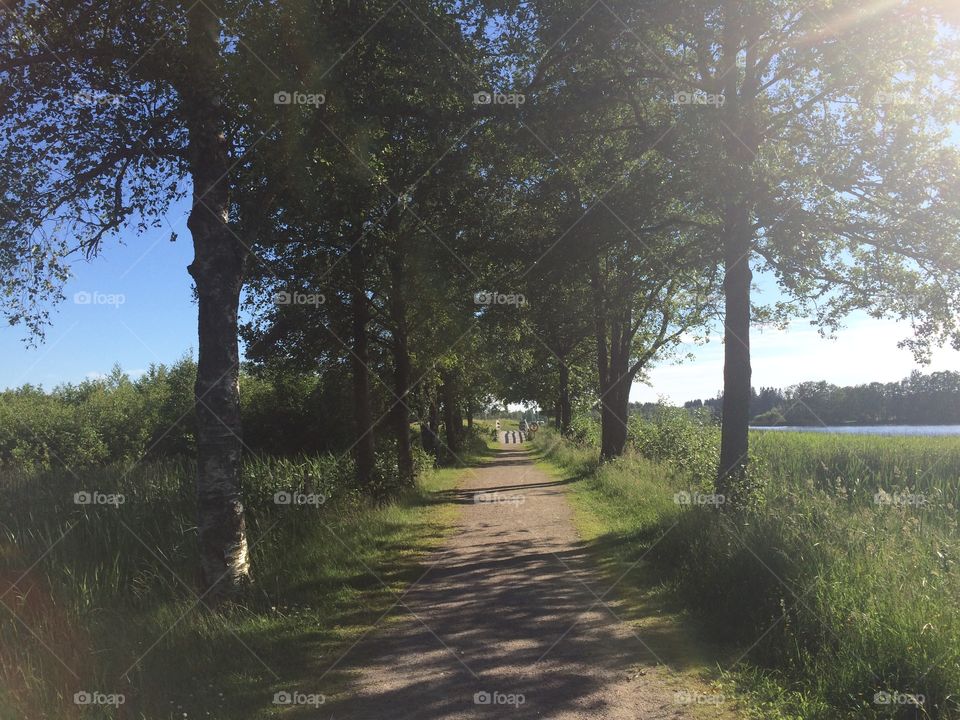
(920, 399)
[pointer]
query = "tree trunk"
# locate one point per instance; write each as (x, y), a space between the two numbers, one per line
(734, 443)
(469, 417)
(434, 427)
(426, 436)
(613, 358)
(451, 416)
(742, 139)
(615, 405)
(359, 362)
(604, 371)
(563, 421)
(401, 366)
(217, 270)
(458, 426)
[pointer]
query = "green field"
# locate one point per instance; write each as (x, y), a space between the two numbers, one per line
(829, 598)
(863, 463)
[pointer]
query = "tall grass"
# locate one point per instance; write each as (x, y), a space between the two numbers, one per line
(862, 464)
(829, 601)
(101, 597)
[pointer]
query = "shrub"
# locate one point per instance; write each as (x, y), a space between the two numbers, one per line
(688, 441)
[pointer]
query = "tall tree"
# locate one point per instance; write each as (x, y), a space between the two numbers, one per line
(217, 271)
(626, 211)
(792, 83)
(802, 123)
(110, 120)
(368, 176)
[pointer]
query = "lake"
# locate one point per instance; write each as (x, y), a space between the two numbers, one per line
(928, 430)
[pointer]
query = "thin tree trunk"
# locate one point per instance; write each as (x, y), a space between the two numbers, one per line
(423, 417)
(604, 371)
(426, 436)
(564, 404)
(217, 270)
(458, 425)
(401, 370)
(613, 350)
(434, 427)
(359, 362)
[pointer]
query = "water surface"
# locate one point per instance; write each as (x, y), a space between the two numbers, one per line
(927, 430)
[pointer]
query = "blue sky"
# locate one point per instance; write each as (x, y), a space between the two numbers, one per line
(156, 322)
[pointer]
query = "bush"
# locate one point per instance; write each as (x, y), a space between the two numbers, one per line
(577, 457)
(43, 431)
(293, 413)
(585, 430)
(119, 420)
(98, 422)
(688, 441)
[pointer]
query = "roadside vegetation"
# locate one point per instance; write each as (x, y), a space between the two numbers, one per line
(98, 563)
(836, 595)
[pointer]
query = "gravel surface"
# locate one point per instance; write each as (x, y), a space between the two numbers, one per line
(509, 620)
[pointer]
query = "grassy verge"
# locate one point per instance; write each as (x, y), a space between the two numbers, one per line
(827, 603)
(610, 508)
(99, 599)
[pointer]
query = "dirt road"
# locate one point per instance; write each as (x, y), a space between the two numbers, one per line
(508, 621)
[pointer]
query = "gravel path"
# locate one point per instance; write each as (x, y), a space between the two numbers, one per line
(507, 621)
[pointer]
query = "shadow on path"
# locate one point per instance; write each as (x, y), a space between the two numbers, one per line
(508, 610)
